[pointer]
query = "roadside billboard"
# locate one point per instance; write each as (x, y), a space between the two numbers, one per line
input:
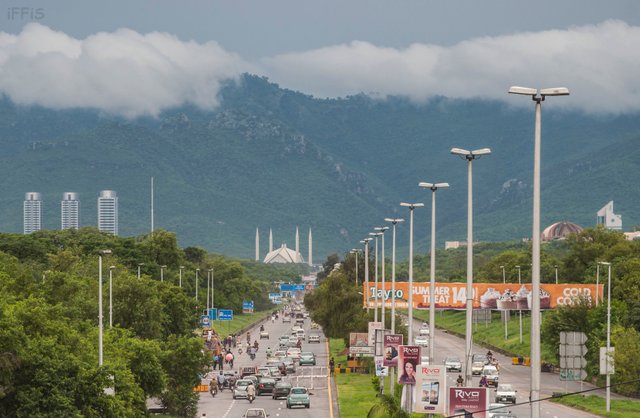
(431, 382)
(468, 402)
(408, 362)
(498, 296)
(391, 344)
(359, 344)
(373, 326)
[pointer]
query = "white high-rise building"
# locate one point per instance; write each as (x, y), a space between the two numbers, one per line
(108, 212)
(32, 212)
(70, 210)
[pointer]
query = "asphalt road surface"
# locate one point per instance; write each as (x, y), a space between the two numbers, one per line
(518, 376)
(224, 406)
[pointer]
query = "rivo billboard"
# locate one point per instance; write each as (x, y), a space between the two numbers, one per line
(499, 296)
(468, 402)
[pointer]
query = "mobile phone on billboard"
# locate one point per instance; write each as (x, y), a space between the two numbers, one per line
(435, 393)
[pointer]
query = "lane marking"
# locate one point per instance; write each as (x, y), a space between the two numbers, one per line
(226, 414)
(329, 382)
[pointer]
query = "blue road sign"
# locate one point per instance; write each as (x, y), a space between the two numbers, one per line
(204, 321)
(225, 314)
(291, 287)
(213, 314)
(247, 306)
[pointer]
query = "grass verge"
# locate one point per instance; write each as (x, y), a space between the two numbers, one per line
(239, 322)
(596, 405)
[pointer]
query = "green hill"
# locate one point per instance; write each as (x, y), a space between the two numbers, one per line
(270, 157)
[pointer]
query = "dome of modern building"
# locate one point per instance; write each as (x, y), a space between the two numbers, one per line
(560, 230)
(283, 255)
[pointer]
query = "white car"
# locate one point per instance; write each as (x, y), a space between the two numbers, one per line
(476, 368)
(492, 375)
(505, 393)
(294, 353)
(497, 409)
(313, 338)
(421, 340)
(424, 331)
(264, 334)
(453, 364)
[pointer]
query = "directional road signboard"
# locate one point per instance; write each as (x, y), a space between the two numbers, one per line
(204, 321)
(247, 306)
(225, 314)
(213, 314)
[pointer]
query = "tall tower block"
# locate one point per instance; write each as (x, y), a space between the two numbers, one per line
(297, 242)
(310, 248)
(270, 240)
(32, 212)
(70, 211)
(257, 245)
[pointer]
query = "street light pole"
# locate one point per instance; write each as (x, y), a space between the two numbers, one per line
(139, 265)
(411, 207)
(375, 312)
(162, 273)
(356, 251)
(538, 97)
(505, 313)
(520, 311)
(394, 222)
(197, 271)
(100, 327)
(556, 267)
(213, 286)
(381, 230)
(607, 359)
(111, 268)
(180, 279)
(366, 271)
(597, 283)
(469, 156)
(432, 273)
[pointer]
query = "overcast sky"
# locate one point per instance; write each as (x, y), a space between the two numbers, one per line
(138, 57)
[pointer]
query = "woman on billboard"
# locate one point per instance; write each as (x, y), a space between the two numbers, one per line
(409, 375)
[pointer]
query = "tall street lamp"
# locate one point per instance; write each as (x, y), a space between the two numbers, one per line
(411, 207)
(100, 327)
(208, 286)
(381, 230)
(432, 284)
(180, 277)
(355, 251)
(197, 271)
(556, 267)
(375, 312)
(394, 222)
(538, 97)
(139, 265)
(111, 268)
(366, 270)
(469, 156)
(213, 285)
(505, 313)
(162, 273)
(520, 311)
(607, 359)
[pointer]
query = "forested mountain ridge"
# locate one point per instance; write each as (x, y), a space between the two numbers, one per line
(271, 157)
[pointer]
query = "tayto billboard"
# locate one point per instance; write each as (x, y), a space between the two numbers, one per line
(468, 402)
(408, 362)
(431, 382)
(499, 296)
(391, 344)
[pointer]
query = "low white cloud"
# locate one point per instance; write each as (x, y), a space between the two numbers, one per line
(598, 63)
(128, 73)
(122, 72)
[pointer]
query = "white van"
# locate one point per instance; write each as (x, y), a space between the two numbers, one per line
(300, 334)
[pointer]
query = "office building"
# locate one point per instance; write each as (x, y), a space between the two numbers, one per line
(70, 210)
(32, 212)
(108, 212)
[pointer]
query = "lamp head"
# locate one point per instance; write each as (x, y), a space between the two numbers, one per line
(460, 151)
(394, 220)
(433, 186)
(412, 205)
(555, 91)
(104, 252)
(527, 91)
(481, 151)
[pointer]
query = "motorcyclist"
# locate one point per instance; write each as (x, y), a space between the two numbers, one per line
(255, 345)
(299, 344)
(248, 338)
(459, 381)
(261, 327)
(483, 381)
(251, 393)
(221, 380)
(268, 352)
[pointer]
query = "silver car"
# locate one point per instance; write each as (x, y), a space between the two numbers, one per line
(453, 364)
(240, 391)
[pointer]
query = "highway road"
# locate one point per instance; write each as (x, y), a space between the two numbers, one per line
(224, 406)
(518, 376)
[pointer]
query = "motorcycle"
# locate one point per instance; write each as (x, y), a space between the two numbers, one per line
(251, 398)
(213, 388)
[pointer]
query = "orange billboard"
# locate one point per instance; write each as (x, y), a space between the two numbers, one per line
(499, 296)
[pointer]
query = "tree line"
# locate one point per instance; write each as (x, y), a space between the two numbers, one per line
(49, 321)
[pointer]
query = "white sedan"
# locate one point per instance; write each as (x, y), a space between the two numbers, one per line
(421, 340)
